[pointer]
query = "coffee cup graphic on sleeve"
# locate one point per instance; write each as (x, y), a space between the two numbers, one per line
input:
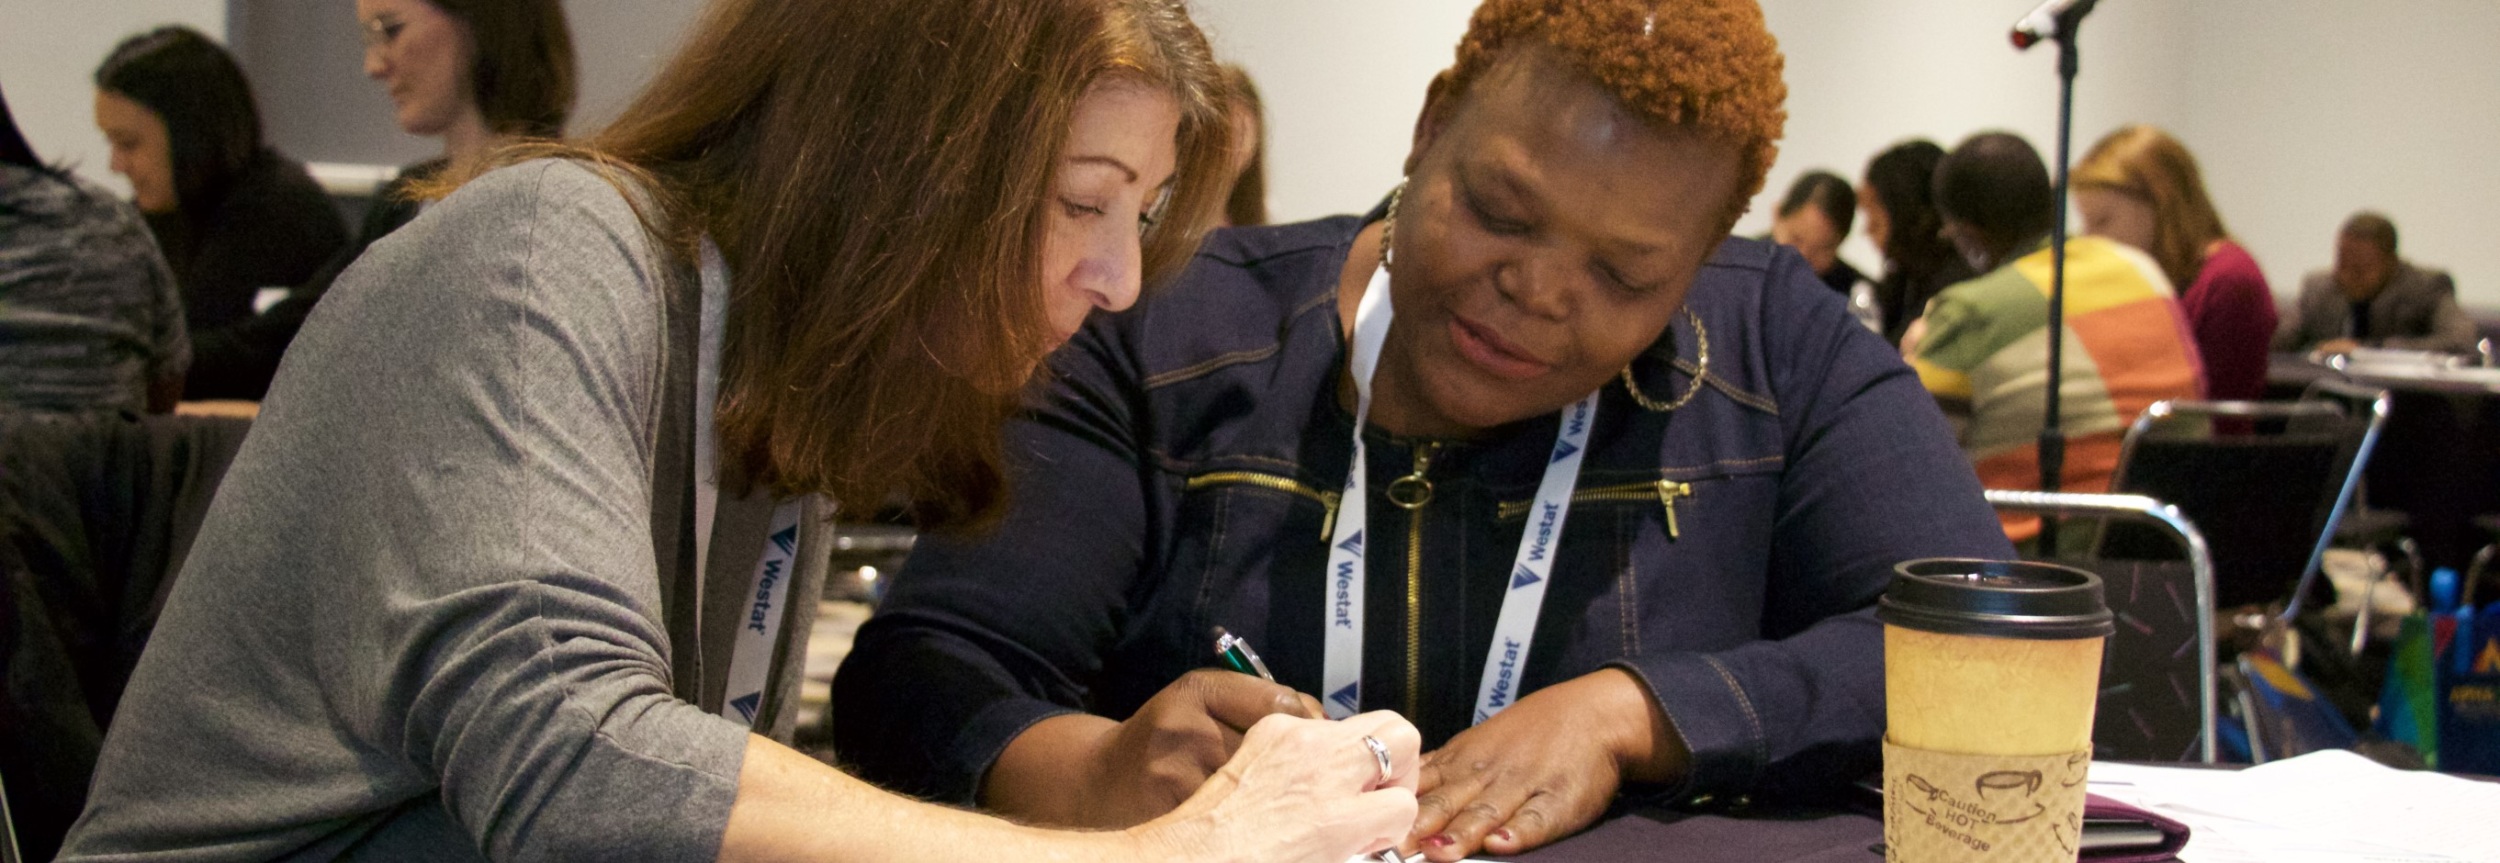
(1991, 669)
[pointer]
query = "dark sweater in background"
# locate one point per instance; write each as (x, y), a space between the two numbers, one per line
(272, 227)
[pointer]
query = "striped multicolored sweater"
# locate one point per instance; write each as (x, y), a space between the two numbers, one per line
(2128, 345)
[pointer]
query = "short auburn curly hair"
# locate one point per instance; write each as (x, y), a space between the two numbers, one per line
(1707, 66)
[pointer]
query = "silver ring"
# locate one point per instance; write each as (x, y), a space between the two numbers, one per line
(1380, 753)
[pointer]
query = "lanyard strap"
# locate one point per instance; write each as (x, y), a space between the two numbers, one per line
(768, 589)
(1342, 675)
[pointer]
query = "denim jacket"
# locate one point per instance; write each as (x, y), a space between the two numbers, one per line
(1180, 473)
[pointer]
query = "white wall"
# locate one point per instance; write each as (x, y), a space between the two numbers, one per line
(2306, 110)
(48, 53)
(2301, 110)
(1343, 82)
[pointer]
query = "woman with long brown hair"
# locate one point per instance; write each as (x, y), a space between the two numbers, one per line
(478, 586)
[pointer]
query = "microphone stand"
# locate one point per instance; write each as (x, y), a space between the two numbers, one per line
(2052, 446)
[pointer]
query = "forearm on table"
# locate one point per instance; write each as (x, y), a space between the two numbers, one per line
(1743, 714)
(791, 807)
(1039, 777)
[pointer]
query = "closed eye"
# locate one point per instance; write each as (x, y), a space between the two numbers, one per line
(1493, 224)
(1077, 211)
(1620, 281)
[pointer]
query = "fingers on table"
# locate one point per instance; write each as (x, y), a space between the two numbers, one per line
(1452, 820)
(1486, 808)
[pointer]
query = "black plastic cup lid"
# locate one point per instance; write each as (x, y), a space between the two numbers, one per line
(1996, 599)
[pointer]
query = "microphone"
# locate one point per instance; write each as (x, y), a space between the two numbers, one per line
(2054, 17)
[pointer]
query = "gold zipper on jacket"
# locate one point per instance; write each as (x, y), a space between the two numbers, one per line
(1271, 482)
(1411, 492)
(1666, 492)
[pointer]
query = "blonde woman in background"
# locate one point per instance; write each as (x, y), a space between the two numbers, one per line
(2139, 186)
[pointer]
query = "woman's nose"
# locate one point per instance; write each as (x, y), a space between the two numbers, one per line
(1110, 275)
(1536, 284)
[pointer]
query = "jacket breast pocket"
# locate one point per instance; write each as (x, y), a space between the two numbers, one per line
(1245, 553)
(1676, 563)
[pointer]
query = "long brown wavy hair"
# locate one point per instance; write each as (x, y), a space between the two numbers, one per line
(2147, 164)
(874, 173)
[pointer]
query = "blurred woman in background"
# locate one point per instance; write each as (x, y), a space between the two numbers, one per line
(2141, 187)
(472, 73)
(232, 215)
(1246, 204)
(1901, 220)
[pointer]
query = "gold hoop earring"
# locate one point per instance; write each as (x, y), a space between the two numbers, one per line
(1702, 372)
(1389, 223)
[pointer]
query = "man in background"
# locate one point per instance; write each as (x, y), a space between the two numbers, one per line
(1813, 218)
(2375, 299)
(1982, 349)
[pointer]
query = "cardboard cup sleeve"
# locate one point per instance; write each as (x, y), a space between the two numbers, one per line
(1945, 807)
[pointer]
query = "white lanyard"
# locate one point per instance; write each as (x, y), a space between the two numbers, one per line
(751, 656)
(1342, 677)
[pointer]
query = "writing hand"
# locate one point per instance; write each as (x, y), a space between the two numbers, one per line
(1087, 771)
(1301, 790)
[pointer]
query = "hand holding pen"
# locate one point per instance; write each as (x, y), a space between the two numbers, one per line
(1236, 654)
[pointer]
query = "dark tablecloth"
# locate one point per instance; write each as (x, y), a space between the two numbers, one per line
(1798, 837)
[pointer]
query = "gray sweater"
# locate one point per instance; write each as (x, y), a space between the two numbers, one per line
(423, 619)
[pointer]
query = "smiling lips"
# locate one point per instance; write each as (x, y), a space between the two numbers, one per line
(1490, 352)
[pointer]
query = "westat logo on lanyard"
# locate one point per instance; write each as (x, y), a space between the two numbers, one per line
(751, 660)
(768, 590)
(1342, 677)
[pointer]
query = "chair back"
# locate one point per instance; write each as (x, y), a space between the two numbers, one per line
(2265, 481)
(8, 828)
(97, 513)
(2157, 697)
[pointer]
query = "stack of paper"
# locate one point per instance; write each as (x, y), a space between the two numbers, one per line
(2324, 806)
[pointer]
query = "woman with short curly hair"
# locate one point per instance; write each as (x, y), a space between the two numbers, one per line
(1533, 454)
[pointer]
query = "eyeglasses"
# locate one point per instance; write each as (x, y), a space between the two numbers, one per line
(382, 31)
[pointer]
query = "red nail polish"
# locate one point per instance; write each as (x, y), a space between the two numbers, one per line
(1504, 835)
(1440, 840)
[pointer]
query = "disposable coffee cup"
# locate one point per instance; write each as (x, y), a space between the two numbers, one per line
(1990, 673)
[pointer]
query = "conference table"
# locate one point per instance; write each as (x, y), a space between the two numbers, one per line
(2438, 459)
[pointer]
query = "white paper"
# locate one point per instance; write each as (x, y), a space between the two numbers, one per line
(2324, 806)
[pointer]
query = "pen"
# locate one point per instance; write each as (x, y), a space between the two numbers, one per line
(1235, 651)
(1236, 654)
